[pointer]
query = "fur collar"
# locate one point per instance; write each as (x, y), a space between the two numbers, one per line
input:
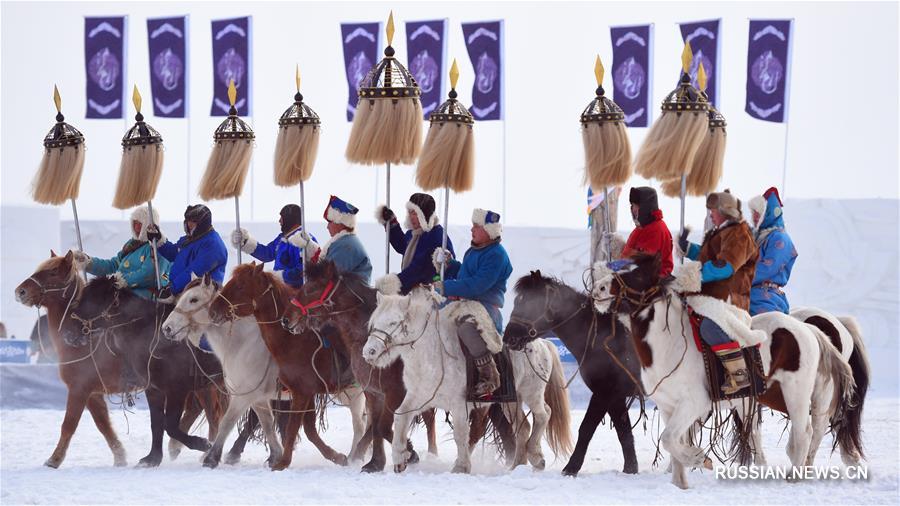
(338, 236)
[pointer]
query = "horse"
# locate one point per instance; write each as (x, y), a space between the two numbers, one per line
(416, 330)
(303, 367)
(250, 375)
(112, 315)
(339, 306)
(797, 360)
(545, 306)
(90, 373)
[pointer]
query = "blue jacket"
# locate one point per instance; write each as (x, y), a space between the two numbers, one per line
(206, 254)
(135, 262)
(288, 258)
(481, 276)
(776, 260)
(348, 254)
(421, 269)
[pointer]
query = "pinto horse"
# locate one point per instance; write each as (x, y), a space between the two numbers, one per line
(607, 363)
(798, 362)
(303, 366)
(95, 370)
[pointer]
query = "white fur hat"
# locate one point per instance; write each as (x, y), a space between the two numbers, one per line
(341, 212)
(758, 204)
(142, 215)
(488, 220)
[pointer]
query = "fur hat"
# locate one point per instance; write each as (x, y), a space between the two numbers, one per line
(488, 220)
(725, 203)
(648, 203)
(291, 217)
(758, 204)
(338, 211)
(423, 205)
(142, 215)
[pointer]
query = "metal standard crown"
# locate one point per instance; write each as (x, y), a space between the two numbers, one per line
(452, 111)
(233, 129)
(388, 79)
(299, 114)
(685, 98)
(63, 135)
(141, 134)
(716, 120)
(602, 110)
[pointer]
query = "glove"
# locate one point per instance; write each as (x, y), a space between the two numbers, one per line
(166, 296)
(384, 215)
(300, 240)
(439, 257)
(683, 243)
(438, 287)
(154, 234)
(82, 259)
(240, 238)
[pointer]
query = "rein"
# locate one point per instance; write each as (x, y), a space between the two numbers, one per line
(232, 312)
(548, 308)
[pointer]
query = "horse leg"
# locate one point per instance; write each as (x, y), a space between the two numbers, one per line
(522, 429)
(618, 413)
(819, 410)
(192, 410)
(477, 425)
(356, 402)
(678, 421)
(267, 420)
(460, 415)
(312, 434)
(377, 411)
(541, 412)
(156, 400)
(596, 410)
(211, 400)
(236, 407)
(428, 417)
(99, 412)
(174, 407)
(798, 407)
(298, 404)
(75, 402)
(497, 414)
(399, 452)
(234, 454)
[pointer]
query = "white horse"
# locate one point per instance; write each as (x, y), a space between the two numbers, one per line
(797, 360)
(251, 373)
(414, 329)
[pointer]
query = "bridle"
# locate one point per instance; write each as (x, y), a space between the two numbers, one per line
(324, 299)
(50, 289)
(231, 314)
(387, 337)
(550, 292)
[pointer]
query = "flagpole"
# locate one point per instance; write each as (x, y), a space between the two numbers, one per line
(303, 227)
(153, 246)
(387, 225)
(237, 219)
(787, 129)
(446, 224)
(683, 194)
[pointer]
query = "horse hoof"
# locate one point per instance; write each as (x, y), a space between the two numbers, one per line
(210, 462)
(149, 461)
(570, 472)
(399, 468)
(630, 468)
(539, 465)
(232, 459)
(340, 459)
(53, 463)
(372, 467)
(280, 466)
(413, 457)
(460, 469)
(174, 449)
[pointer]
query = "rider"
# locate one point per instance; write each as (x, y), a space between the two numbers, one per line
(134, 262)
(728, 258)
(651, 236)
(776, 254)
(198, 252)
(416, 245)
(287, 249)
(481, 277)
(344, 248)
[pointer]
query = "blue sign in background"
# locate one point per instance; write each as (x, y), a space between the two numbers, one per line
(15, 351)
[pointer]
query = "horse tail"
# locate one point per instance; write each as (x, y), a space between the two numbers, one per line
(859, 364)
(833, 367)
(559, 434)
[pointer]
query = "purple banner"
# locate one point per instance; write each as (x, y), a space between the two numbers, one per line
(360, 42)
(231, 42)
(631, 74)
(704, 39)
(104, 58)
(484, 42)
(426, 48)
(769, 69)
(167, 41)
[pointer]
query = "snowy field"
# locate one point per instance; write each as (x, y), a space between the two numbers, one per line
(87, 475)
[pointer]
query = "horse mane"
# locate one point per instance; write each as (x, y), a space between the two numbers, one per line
(647, 269)
(194, 282)
(536, 280)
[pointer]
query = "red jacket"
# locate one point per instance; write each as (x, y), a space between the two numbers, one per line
(652, 238)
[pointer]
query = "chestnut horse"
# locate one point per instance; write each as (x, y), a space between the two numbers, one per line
(305, 369)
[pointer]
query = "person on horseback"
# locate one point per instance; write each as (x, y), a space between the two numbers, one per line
(200, 251)
(481, 277)
(134, 262)
(728, 263)
(417, 244)
(344, 248)
(776, 254)
(651, 235)
(287, 250)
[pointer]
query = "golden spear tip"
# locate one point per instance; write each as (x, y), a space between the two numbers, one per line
(599, 71)
(57, 99)
(136, 99)
(454, 74)
(687, 56)
(390, 28)
(701, 77)
(232, 93)
(298, 78)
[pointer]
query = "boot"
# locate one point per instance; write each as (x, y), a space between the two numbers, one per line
(488, 376)
(738, 377)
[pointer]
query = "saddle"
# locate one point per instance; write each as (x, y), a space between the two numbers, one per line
(506, 392)
(715, 371)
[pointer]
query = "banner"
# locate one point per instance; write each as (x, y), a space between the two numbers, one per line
(104, 58)
(426, 46)
(231, 42)
(360, 41)
(167, 41)
(484, 42)
(632, 64)
(769, 69)
(704, 39)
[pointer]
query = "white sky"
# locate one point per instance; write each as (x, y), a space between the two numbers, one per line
(843, 104)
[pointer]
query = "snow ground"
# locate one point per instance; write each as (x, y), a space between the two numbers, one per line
(27, 438)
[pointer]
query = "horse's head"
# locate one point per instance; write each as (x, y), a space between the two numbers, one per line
(618, 285)
(398, 321)
(100, 307)
(239, 296)
(533, 315)
(312, 306)
(55, 278)
(191, 313)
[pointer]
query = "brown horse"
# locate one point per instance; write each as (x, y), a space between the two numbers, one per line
(304, 371)
(88, 372)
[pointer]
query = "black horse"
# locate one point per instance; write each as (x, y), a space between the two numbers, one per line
(545, 307)
(111, 316)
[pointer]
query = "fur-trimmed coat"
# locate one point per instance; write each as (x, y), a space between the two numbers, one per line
(481, 276)
(652, 238)
(205, 254)
(731, 244)
(135, 263)
(421, 268)
(288, 258)
(348, 254)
